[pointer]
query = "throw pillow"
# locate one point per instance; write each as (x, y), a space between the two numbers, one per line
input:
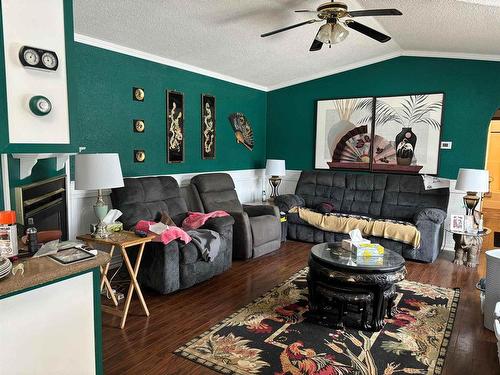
(324, 208)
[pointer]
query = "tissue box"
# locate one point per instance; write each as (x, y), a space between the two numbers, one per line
(369, 250)
(369, 261)
(347, 244)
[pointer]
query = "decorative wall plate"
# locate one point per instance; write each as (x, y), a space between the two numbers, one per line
(242, 129)
(139, 156)
(139, 126)
(138, 94)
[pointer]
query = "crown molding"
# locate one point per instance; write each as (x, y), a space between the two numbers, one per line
(452, 55)
(341, 69)
(80, 38)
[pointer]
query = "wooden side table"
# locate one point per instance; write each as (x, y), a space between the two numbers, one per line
(123, 240)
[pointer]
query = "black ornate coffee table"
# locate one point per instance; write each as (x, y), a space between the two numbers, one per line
(350, 291)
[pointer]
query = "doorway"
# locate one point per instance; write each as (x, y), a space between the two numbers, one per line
(491, 202)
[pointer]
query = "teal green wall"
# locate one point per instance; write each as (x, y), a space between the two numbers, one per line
(101, 112)
(472, 94)
(102, 87)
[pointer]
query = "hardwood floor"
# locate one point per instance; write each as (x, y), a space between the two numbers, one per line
(145, 346)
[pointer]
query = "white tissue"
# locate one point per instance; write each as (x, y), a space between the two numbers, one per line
(158, 228)
(112, 216)
(357, 238)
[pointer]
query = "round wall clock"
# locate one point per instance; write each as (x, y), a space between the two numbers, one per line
(40, 105)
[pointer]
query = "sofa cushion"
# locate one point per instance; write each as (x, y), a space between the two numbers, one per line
(146, 198)
(265, 228)
(217, 192)
(406, 195)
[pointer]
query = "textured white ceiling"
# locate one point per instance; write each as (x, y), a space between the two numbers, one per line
(223, 36)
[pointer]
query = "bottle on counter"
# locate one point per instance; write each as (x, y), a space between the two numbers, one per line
(31, 234)
(264, 198)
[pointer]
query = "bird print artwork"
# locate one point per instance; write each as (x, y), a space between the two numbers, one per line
(242, 129)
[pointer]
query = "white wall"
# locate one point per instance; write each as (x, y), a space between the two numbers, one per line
(249, 185)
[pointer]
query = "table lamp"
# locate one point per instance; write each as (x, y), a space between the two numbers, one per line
(275, 169)
(97, 172)
(472, 181)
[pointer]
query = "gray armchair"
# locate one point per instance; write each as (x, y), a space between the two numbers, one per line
(257, 229)
(167, 268)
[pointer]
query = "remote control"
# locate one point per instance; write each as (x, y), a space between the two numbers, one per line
(140, 233)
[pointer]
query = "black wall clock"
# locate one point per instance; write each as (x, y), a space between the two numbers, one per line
(37, 58)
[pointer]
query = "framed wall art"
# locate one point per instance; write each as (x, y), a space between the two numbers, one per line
(391, 134)
(208, 121)
(343, 133)
(407, 133)
(175, 127)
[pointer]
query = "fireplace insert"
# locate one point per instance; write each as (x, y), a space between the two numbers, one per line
(45, 202)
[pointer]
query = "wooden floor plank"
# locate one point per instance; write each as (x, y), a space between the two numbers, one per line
(146, 344)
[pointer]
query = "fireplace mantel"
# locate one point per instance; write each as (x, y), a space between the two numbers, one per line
(28, 161)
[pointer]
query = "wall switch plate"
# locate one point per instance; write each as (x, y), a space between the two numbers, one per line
(446, 145)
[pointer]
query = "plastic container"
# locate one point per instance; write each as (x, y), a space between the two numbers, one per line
(492, 293)
(8, 234)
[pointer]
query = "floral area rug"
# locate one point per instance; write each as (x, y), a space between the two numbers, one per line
(272, 335)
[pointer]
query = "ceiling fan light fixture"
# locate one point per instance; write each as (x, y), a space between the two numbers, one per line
(332, 33)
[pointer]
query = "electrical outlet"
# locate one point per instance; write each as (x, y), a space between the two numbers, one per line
(446, 145)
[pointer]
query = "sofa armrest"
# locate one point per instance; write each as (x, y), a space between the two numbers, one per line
(435, 215)
(242, 236)
(287, 201)
(261, 210)
(219, 224)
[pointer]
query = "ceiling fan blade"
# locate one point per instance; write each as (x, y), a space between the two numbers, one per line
(288, 28)
(368, 31)
(375, 12)
(316, 44)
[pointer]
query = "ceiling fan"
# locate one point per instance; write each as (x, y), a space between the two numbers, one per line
(336, 14)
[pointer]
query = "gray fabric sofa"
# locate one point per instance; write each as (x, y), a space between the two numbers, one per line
(167, 268)
(257, 229)
(386, 196)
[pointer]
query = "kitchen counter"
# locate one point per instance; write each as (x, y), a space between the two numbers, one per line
(38, 271)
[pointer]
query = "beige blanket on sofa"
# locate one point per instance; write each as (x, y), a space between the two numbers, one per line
(407, 234)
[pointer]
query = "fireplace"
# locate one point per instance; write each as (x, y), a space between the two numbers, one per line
(45, 202)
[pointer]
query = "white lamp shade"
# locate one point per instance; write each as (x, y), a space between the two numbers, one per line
(475, 180)
(275, 167)
(97, 171)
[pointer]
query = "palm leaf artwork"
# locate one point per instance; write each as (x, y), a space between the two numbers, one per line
(416, 110)
(383, 114)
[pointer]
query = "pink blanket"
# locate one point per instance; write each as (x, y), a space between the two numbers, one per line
(195, 220)
(172, 233)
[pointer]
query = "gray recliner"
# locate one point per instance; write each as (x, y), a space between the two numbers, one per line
(167, 268)
(257, 229)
